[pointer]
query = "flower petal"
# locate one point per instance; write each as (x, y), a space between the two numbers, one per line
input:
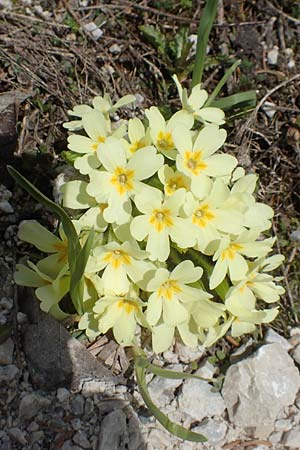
(145, 163)
(162, 337)
(75, 195)
(209, 140)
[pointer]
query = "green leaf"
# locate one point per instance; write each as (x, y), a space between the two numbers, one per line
(70, 156)
(241, 100)
(177, 430)
(173, 374)
(205, 26)
(221, 83)
(154, 36)
(76, 284)
(74, 247)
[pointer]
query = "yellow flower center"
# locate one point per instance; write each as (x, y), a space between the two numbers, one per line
(161, 218)
(202, 215)
(168, 289)
(62, 249)
(230, 251)
(99, 140)
(193, 162)
(127, 305)
(122, 180)
(116, 258)
(136, 145)
(174, 183)
(164, 141)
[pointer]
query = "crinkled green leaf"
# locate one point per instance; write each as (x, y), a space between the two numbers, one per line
(177, 430)
(154, 36)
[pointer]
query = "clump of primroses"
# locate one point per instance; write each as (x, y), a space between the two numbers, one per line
(179, 247)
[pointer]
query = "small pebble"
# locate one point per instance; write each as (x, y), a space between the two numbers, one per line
(6, 352)
(115, 49)
(6, 207)
(36, 436)
(81, 439)
(62, 394)
(21, 318)
(8, 373)
(273, 56)
(76, 424)
(17, 435)
(77, 405)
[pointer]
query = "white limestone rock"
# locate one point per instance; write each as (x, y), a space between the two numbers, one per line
(198, 401)
(257, 388)
(272, 337)
(296, 354)
(161, 389)
(291, 439)
(214, 429)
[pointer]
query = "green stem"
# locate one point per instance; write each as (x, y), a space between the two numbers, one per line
(205, 26)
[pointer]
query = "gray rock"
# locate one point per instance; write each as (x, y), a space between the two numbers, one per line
(295, 353)
(63, 394)
(272, 337)
(113, 434)
(282, 425)
(8, 115)
(21, 318)
(6, 286)
(89, 407)
(6, 4)
(77, 405)
(33, 426)
(68, 445)
(161, 390)
(17, 435)
(37, 436)
(272, 55)
(6, 352)
(115, 49)
(206, 370)
(31, 404)
(187, 354)
(81, 439)
(8, 373)
(291, 438)
(76, 424)
(135, 437)
(275, 437)
(198, 401)
(6, 207)
(214, 429)
(55, 359)
(256, 389)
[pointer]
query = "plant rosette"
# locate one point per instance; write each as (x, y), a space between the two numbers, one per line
(166, 235)
(176, 250)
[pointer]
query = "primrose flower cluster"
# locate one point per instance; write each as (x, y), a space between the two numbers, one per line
(179, 247)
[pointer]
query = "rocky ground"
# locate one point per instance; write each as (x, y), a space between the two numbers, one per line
(55, 394)
(58, 393)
